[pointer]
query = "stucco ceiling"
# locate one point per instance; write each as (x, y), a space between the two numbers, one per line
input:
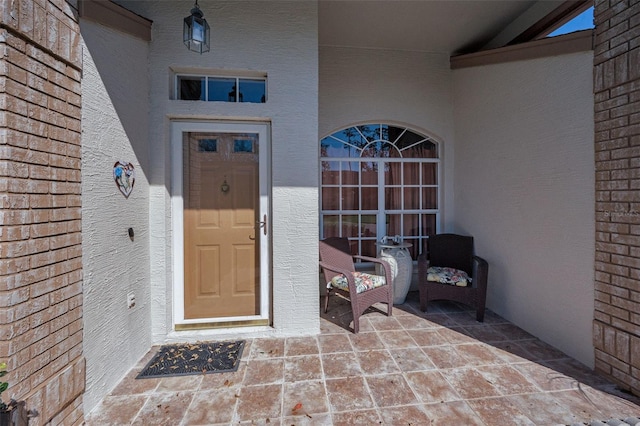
(450, 26)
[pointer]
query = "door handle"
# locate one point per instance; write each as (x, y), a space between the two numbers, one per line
(263, 224)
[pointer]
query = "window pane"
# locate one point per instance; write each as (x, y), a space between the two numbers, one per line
(371, 132)
(429, 173)
(191, 88)
(429, 198)
(412, 198)
(369, 248)
(253, 91)
(207, 145)
(422, 150)
(330, 147)
(330, 198)
(330, 171)
(369, 173)
(411, 225)
(411, 173)
(368, 226)
(393, 198)
(350, 199)
(222, 89)
(352, 137)
(350, 173)
(408, 139)
(392, 173)
(350, 226)
(243, 145)
(369, 198)
(330, 226)
(428, 224)
(394, 223)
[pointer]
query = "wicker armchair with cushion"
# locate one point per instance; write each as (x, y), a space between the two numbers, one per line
(451, 271)
(362, 289)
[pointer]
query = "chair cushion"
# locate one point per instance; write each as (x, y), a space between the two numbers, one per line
(363, 280)
(445, 275)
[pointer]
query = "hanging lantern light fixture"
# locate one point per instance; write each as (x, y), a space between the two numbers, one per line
(196, 32)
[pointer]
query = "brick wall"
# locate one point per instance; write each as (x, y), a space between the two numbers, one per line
(617, 127)
(40, 208)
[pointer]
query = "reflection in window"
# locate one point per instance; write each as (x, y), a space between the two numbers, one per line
(376, 180)
(242, 145)
(221, 89)
(207, 145)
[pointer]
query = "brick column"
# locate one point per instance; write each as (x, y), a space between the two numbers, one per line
(617, 126)
(40, 208)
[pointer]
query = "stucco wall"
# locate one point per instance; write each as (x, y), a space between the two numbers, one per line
(524, 179)
(406, 88)
(114, 128)
(279, 39)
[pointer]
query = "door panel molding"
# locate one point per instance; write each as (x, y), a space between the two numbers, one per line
(178, 129)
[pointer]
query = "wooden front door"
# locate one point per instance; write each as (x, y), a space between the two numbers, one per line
(222, 225)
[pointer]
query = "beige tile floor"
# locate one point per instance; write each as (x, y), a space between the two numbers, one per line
(438, 368)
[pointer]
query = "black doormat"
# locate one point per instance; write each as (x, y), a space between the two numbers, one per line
(196, 358)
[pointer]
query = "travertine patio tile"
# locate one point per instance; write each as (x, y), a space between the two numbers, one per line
(420, 373)
(511, 351)
(543, 408)
(431, 386)
(302, 398)
(211, 406)
(306, 345)
(412, 359)
(428, 337)
(340, 365)
(264, 371)
(478, 354)
(506, 379)
(485, 333)
(413, 322)
(307, 420)
(406, 415)
(513, 332)
(576, 370)
(469, 383)
(464, 318)
(259, 403)
(541, 351)
(453, 413)
(267, 348)
(396, 339)
(376, 362)
(384, 323)
(307, 367)
(334, 343)
(232, 379)
(121, 409)
(132, 386)
(457, 335)
(499, 411)
(179, 383)
(164, 408)
(366, 341)
(544, 377)
(356, 418)
(348, 394)
(445, 356)
(390, 390)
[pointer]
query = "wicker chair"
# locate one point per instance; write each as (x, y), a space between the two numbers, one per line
(453, 251)
(362, 290)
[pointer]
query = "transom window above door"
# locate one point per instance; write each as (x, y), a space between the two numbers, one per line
(376, 180)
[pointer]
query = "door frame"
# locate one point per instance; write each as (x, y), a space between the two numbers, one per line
(178, 128)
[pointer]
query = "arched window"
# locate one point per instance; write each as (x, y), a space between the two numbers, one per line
(376, 180)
